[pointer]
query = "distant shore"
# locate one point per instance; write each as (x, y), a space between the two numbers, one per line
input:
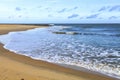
(19, 67)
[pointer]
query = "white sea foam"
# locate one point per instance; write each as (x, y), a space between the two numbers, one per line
(42, 44)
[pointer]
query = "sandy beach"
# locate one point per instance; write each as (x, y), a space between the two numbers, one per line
(19, 67)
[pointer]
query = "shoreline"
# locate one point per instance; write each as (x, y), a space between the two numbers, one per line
(40, 68)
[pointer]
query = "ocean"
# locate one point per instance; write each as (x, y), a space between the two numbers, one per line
(93, 46)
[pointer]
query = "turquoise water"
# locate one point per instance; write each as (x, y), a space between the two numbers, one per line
(95, 47)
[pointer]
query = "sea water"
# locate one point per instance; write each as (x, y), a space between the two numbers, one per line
(92, 46)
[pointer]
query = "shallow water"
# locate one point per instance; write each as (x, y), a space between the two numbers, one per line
(95, 47)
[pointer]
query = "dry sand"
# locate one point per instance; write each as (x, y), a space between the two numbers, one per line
(19, 67)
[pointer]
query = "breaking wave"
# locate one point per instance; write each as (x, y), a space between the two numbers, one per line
(97, 53)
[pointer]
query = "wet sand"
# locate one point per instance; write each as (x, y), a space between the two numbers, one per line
(19, 67)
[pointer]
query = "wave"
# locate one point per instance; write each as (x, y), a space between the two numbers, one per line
(84, 33)
(64, 49)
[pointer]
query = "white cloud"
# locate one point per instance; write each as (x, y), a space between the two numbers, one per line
(63, 10)
(110, 8)
(113, 17)
(59, 9)
(115, 8)
(92, 16)
(73, 16)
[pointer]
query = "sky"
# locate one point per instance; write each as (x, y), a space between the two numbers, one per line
(59, 11)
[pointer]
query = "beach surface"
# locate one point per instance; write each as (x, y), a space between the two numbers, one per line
(19, 67)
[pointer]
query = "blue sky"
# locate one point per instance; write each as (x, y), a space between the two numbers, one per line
(59, 11)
